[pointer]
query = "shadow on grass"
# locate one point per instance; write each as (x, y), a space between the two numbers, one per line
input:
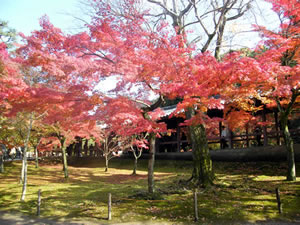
(126, 163)
(243, 192)
(254, 168)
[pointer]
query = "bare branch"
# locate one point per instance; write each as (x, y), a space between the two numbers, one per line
(141, 102)
(102, 56)
(241, 11)
(184, 11)
(164, 7)
(199, 20)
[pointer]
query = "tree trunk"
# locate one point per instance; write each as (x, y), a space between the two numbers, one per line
(277, 128)
(64, 158)
(22, 171)
(25, 158)
(265, 128)
(36, 158)
(202, 173)
(135, 166)
(65, 162)
(1, 163)
(106, 163)
(220, 39)
(37, 154)
(291, 173)
(24, 188)
(151, 163)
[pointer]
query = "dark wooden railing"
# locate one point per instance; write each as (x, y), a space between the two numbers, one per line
(244, 140)
(234, 141)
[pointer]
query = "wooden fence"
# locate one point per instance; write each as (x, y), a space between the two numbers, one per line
(234, 141)
(239, 141)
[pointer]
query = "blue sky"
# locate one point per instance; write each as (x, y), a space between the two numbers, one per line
(23, 15)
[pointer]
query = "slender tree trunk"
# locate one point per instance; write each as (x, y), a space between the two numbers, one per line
(65, 162)
(220, 39)
(277, 128)
(106, 163)
(24, 188)
(1, 163)
(136, 157)
(202, 173)
(135, 166)
(151, 163)
(265, 128)
(37, 155)
(291, 173)
(36, 158)
(151, 160)
(25, 158)
(22, 171)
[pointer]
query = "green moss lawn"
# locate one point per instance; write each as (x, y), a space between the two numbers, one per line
(243, 192)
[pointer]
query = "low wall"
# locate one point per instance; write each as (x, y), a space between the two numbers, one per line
(269, 153)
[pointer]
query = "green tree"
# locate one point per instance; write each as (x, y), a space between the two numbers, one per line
(7, 35)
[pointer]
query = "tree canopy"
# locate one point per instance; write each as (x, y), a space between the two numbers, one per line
(53, 76)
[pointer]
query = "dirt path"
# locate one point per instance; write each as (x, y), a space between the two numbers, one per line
(19, 219)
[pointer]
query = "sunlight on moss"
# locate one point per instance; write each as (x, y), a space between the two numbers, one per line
(270, 178)
(237, 195)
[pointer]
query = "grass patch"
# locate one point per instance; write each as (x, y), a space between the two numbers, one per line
(242, 192)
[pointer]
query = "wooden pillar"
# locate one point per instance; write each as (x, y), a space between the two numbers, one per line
(178, 137)
(71, 149)
(86, 147)
(220, 132)
(265, 128)
(196, 206)
(157, 145)
(38, 211)
(279, 205)
(95, 150)
(79, 147)
(230, 139)
(277, 128)
(247, 135)
(109, 206)
(91, 151)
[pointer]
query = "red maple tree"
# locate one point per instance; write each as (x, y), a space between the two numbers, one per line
(271, 75)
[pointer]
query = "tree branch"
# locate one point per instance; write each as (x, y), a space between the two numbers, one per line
(169, 12)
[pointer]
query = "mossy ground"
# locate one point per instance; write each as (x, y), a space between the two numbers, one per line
(242, 192)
